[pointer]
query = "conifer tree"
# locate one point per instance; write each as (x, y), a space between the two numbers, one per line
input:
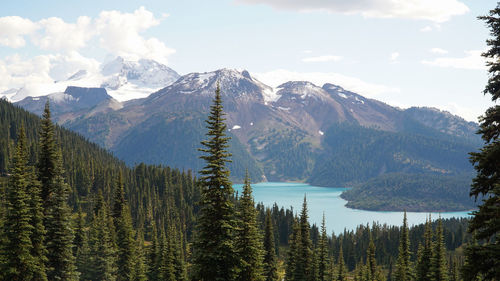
(38, 250)
(154, 256)
(331, 271)
(373, 271)
(176, 237)
(139, 259)
(80, 246)
(57, 220)
(425, 254)
(166, 268)
(454, 270)
(323, 261)
(270, 259)
(293, 253)
(404, 268)
(248, 240)
(18, 260)
(439, 267)
(341, 269)
(101, 259)
(483, 260)
(213, 249)
(124, 233)
(304, 270)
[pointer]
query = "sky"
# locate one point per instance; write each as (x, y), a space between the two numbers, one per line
(402, 52)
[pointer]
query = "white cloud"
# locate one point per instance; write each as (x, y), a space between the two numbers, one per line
(322, 58)
(307, 51)
(426, 28)
(120, 34)
(13, 29)
(431, 10)
(36, 75)
(472, 60)
(438, 51)
(394, 56)
(276, 77)
(116, 32)
(55, 34)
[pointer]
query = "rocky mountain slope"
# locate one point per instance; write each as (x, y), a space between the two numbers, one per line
(283, 133)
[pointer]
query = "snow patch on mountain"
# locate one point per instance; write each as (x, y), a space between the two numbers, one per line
(123, 79)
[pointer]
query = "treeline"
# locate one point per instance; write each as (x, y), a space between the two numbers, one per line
(327, 259)
(412, 192)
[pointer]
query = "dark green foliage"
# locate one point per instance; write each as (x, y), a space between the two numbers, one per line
(101, 258)
(270, 259)
(412, 192)
(305, 263)
(163, 139)
(439, 266)
(215, 257)
(404, 268)
(166, 265)
(341, 269)
(248, 242)
(286, 154)
(483, 259)
(371, 263)
(38, 250)
(425, 254)
(322, 253)
(17, 248)
(291, 272)
(54, 194)
(139, 259)
(124, 233)
(354, 154)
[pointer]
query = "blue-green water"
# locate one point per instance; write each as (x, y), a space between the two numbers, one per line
(327, 200)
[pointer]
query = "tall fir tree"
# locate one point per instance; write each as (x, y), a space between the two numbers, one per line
(439, 266)
(371, 262)
(101, 264)
(166, 266)
(57, 220)
(270, 259)
(293, 253)
(424, 255)
(38, 250)
(304, 266)
(215, 258)
(323, 260)
(18, 259)
(154, 255)
(341, 268)
(124, 233)
(483, 260)
(140, 269)
(404, 268)
(248, 239)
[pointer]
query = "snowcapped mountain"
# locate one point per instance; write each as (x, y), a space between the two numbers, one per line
(123, 80)
(276, 132)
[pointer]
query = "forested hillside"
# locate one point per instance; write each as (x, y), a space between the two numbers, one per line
(138, 224)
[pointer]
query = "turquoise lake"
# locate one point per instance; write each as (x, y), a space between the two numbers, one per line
(327, 200)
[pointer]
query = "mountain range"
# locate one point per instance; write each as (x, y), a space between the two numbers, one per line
(298, 131)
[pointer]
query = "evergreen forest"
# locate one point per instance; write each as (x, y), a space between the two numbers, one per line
(70, 210)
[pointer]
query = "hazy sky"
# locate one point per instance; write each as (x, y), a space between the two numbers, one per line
(403, 52)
